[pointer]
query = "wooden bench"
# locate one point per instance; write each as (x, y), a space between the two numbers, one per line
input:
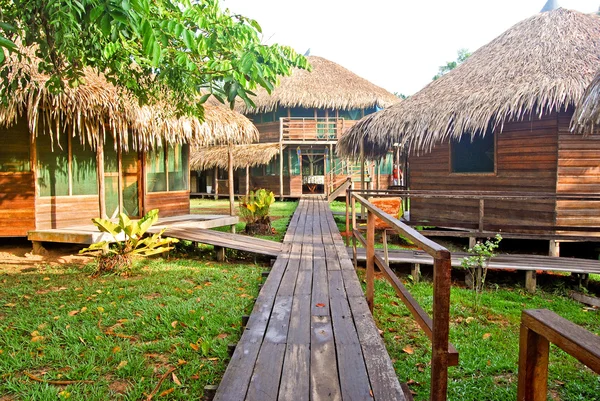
(539, 328)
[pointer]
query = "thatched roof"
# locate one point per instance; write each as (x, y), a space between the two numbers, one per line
(587, 114)
(98, 108)
(328, 85)
(541, 64)
(243, 156)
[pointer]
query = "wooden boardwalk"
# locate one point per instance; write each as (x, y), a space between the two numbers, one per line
(311, 335)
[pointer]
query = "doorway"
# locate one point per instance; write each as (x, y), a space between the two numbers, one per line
(313, 173)
(121, 181)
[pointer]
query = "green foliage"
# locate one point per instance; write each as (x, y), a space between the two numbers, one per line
(254, 208)
(128, 241)
(477, 264)
(462, 55)
(192, 48)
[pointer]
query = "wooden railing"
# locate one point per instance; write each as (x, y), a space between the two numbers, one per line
(539, 328)
(436, 328)
(347, 183)
(303, 129)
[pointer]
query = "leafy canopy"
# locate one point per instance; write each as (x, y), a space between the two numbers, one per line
(183, 50)
(462, 55)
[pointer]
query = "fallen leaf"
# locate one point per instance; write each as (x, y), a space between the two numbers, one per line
(194, 377)
(10, 305)
(195, 347)
(84, 309)
(46, 278)
(73, 312)
(122, 364)
(222, 336)
(116, 349)
(37, 339)
(35, 333)
(167, 392)
(487, 335)
(469, 319)
(174, 323)
(408, 349)
(100, 309)
(489, 363)
(320, 305)
(175, 379)
(213, 359)
(181, 362)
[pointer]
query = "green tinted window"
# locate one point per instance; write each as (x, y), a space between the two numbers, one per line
(178, 168)
(83, 165)
(52, 165)
(156, 178)
(14, 152)
(473, 155)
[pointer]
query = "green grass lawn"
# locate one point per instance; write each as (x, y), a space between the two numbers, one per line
(487, 340)
(115, 337)
(281, 212)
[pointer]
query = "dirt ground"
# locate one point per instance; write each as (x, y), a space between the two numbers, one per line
(16, 255)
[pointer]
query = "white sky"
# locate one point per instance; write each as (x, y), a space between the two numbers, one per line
(396, 44)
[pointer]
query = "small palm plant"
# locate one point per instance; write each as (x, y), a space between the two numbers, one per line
(254, 210)
(128, 241)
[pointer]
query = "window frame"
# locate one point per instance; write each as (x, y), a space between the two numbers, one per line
(166, 164)
(472, 173)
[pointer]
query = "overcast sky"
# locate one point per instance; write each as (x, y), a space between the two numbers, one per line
(396, 44)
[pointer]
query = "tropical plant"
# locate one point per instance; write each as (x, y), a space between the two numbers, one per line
(128, 241)
(192, 48)
(254, 210)
(477, 264)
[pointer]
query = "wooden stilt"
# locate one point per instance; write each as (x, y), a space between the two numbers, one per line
(220, 251)
(415, 272)
(530, 280)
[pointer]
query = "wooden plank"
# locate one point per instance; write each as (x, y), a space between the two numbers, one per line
(295, 379)
(279, 320)
(324, 378)
(264, 384)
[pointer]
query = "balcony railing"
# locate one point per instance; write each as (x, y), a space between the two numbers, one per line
(303, 129)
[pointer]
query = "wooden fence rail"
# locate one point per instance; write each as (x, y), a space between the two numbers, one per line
(436, 328)
(539, 328)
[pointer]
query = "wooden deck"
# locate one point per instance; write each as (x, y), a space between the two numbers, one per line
(224, 240)
(311, 335)
(89, 234)
(511, 262)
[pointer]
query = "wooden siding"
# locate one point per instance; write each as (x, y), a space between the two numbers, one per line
(526, 161)
(168, 203)
(269, 132)
(270, 182)
(65, 211)
(578, 172)
(17, 204)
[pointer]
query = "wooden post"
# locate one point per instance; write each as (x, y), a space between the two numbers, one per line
(362, 179)
(280, 170)
(231, 184)
(378, 170)
(216, 181)
(220, 251)
(554, 248)
(481, 207)
(533, 366)
(385, 247)
(441, 326)
(347, 217)
(354, 226)
(100, 174)
(247, 180)
(370, 259)
(415, 272)
(530, 280)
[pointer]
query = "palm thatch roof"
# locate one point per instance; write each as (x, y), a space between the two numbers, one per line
(587, 114)
(540, 65)
(203, 158)
(327, 86)
(97, 108)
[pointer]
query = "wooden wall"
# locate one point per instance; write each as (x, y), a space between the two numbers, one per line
(526, 161)
(17, 204)
(168, 203)
(578, 172)
(269, 132)
(270, 182)
(65, 211)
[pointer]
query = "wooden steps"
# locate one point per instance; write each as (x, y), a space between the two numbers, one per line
(311, 335)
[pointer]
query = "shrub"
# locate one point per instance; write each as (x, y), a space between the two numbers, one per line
(128, 241)
(254, 210)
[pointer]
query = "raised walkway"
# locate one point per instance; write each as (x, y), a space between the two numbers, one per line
(311, 335)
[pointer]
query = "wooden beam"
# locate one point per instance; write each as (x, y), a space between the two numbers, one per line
(100, 174)
(230, 177)
(247, 180)
(216, 182)
(370, 260)
(441, 326)
(280, 171)
(533, 366)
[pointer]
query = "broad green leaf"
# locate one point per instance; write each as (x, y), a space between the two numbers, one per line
(107, 226)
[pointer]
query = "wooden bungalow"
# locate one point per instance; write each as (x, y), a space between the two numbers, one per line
(305, 116)
(93, 151)
(500, 124)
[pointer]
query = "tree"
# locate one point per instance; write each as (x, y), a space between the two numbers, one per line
(463, 54)
(183, 50)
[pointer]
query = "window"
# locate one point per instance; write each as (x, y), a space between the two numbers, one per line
(65, 166)
(14, 152)
(473, 155)
(167, 166)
